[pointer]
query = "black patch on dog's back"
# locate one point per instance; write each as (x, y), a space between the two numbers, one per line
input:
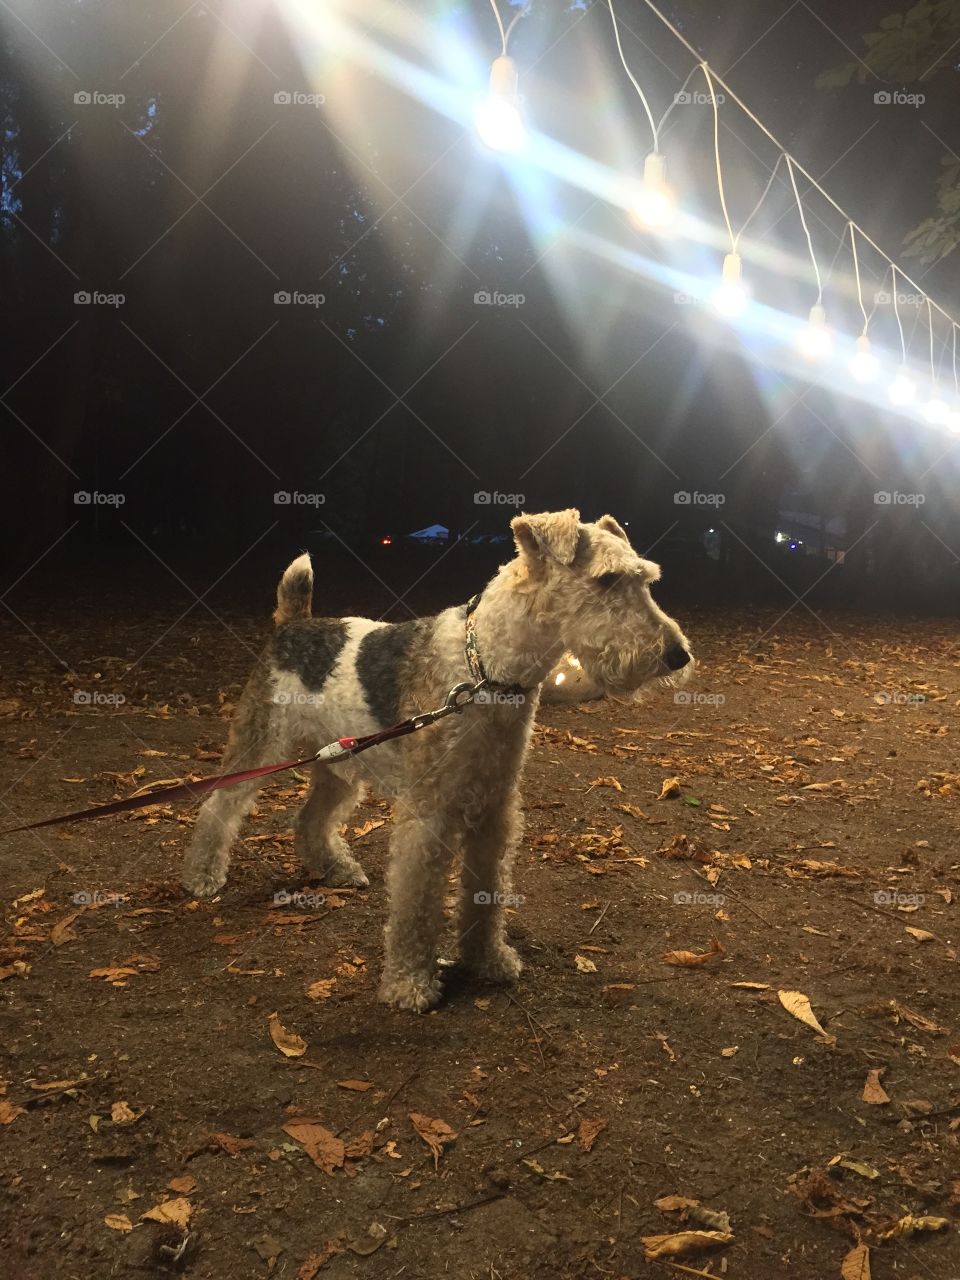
(381, 659)
(309, 648)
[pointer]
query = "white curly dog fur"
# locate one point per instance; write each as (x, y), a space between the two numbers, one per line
(572, 586)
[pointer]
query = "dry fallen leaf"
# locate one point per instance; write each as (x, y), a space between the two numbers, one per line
(584, 964)
(120, 1113)
(118, 1222)
(915, 1019)
(588, 1133)
(183, 1186)
(61, 931)
(856, 1265)
(608, 782)
(798, 1004)
(921, 935)
(908, 1225)
(435, 1133)
(171, 1213)
(681, 1243)
(315, 1261)
(731, 1052)
(358, 1086)
(689, 958)
(670, 788)
(322, 989)
(873, 1090)
(9, 1111)
(113, 973)
(324, 1148)
(371, 824)
(752, 986)
(288, 1042)
(715, 1219)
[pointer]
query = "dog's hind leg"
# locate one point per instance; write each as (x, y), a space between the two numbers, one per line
(253, 742)
(318, 842)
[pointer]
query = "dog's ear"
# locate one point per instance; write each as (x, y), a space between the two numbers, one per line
(612, 526)
(555, 533)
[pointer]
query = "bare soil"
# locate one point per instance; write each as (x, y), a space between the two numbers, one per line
(812, 827)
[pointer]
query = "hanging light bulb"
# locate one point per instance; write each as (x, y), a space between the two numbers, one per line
(498, 119)
(937, 411)
(814, 340)
(864, 367)
(731, 296)
(654, 203)
(902, 389)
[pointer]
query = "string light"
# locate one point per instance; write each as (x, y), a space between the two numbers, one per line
(935, 410)
(655, 201)
(498, 120)
(814, 341)
(730, 296)
(864, 367)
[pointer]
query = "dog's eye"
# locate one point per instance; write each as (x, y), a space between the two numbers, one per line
(608, 580)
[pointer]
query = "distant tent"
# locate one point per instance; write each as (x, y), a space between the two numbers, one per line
(432, 533)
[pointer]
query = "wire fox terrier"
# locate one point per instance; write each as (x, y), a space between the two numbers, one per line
(455, 786)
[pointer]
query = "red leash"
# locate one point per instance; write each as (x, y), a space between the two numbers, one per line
(457, 699)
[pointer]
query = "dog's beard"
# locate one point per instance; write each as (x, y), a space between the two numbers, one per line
(630, 673)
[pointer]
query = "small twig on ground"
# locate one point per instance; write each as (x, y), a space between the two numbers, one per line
(598, 919)
(383, 1106)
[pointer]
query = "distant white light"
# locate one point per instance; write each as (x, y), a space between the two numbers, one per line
(560, 677)
(902, 389)
(937, 411)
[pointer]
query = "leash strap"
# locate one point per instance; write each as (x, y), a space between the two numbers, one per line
(458, 697)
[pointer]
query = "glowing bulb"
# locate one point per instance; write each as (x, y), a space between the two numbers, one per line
(560, 677)
(497, 118)
(902, 389)
(937, 411)
(730, 296)
(814, 341)
(654, 203)
(864, 367)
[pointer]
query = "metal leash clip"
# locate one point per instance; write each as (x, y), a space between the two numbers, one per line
(460, 696)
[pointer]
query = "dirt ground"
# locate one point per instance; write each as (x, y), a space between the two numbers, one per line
(809, 847)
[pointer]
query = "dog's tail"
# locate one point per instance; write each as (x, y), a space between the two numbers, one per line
(295, 591)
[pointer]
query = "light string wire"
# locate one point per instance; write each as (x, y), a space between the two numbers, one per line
(505, 32)
(806, 231)
(896, 312)
(654, 128)
(856, 272)
(713, 76)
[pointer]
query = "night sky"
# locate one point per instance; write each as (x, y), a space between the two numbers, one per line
(386, 396)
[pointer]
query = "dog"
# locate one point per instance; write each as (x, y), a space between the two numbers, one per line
(572, 586)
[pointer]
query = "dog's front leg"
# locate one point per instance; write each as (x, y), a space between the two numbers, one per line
(485, 887)
(419, 856)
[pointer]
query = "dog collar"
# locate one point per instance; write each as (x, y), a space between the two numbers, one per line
(471, 652)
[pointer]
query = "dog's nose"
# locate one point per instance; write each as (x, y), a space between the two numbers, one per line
(676, 657)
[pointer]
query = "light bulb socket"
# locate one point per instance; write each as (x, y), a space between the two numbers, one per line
(732, 269)
(505, 80)
(818, 316)
(863, 345)
(655, 170)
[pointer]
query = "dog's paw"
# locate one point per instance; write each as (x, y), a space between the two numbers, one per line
(500, 964)
(344, 875)
(202, 884)
(418, 994)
